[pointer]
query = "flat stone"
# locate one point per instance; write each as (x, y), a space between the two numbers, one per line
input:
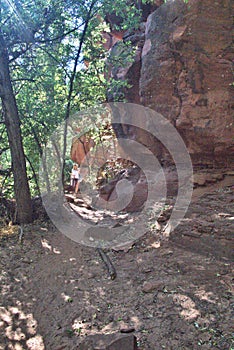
(150, 286)
(109, 342)
(200, 179)
(127, 330)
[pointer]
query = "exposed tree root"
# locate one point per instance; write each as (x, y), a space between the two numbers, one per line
(108, 263)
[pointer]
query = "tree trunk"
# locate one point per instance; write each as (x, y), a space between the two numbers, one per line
(12, 122)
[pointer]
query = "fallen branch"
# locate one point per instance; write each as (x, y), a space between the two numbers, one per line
(108, 263)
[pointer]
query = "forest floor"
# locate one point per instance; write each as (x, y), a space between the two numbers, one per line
(176, 294)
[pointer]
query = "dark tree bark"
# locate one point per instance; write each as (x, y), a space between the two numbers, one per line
(12, 122)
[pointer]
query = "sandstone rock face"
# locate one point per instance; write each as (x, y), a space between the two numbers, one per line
(80, 149)
(159, 66)
(184, 72)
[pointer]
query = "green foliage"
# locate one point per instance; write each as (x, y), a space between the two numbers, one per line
(68, 169)
(50, 76)
(152, 1)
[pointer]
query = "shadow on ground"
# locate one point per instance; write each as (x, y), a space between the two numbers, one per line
(176, 294)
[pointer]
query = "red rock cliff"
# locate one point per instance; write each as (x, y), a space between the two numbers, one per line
(183, 69)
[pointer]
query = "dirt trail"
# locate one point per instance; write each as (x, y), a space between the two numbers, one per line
(176, 294)
(198, 192)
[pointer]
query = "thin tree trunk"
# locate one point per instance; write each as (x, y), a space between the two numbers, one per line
(71, 84)
(34, 174)
(12, 122)
(44, 163)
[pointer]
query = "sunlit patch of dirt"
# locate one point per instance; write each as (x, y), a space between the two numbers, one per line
(6, 230)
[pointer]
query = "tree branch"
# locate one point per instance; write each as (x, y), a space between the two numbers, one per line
(34, 173)
(17, 54)
(69, 97)
(24, 79)
(55, 59)
(60, 36)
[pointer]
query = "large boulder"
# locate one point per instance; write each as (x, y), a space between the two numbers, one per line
(183, 70)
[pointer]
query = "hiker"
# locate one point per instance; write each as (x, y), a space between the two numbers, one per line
(75, 178)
